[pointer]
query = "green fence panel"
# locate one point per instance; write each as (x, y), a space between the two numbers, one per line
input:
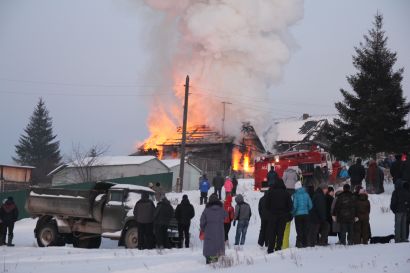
(20, 200)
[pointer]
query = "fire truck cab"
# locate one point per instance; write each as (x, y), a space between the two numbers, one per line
(304, 161)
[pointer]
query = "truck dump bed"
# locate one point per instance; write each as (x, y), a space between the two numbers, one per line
(62, 202)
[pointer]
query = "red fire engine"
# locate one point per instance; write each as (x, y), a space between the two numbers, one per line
(305, 161)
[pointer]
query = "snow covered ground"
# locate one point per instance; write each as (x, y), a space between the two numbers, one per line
(26, 257)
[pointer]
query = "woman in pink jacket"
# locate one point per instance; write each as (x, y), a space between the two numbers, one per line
(228, 186)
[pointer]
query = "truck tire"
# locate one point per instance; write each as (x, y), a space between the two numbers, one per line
(131, 237)
(81, 243)
(47, 235)
(94, 242)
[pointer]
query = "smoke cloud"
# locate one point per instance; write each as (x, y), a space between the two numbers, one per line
(233, 50)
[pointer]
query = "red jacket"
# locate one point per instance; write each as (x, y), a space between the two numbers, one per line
(229, 210)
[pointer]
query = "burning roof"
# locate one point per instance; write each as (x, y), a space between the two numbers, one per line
(199, 135)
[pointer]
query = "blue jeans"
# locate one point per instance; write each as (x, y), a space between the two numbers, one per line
(241, 230)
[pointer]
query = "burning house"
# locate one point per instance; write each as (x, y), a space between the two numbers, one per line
(210, 151)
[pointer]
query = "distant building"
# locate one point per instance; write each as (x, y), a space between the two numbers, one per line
(302, 133)
(94, 169)
(191, 174)
(14, 177)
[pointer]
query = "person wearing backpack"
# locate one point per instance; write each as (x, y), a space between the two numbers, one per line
(243, 214)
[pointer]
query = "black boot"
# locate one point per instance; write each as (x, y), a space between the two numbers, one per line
(10, 240)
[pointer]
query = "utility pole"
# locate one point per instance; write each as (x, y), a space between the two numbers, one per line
(224, 103)
(183, 140)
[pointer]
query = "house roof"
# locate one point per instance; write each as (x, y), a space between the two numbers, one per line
(198, 135)
(107, 161)
(170, 163)
(298, 129)
(17, 166)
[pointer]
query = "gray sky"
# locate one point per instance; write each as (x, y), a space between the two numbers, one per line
(87, 58)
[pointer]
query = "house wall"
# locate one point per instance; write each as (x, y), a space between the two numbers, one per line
(71, 175)
(13, 174)
(191, 177)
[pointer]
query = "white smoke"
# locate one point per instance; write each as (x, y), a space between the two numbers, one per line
(233, 50)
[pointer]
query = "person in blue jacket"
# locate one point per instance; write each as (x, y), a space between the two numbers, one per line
(204, 187)
(302, 204)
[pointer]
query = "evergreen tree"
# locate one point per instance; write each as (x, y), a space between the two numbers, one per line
(37, 146)
(372, 117)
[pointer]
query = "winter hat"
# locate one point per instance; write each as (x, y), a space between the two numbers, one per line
(184, 197)
(239, 198)
(10, 199)
(213, 198)
(298, 185)
(150, 184)
(346, 187)
(323, 186)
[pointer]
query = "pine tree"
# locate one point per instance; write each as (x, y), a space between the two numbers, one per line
(37, 146)
(372, 119)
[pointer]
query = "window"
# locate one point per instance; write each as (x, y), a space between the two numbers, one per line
(117, 196)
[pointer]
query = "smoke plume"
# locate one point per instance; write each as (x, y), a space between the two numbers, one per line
(233, 50)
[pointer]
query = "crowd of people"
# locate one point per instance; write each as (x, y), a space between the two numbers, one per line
(319, 210)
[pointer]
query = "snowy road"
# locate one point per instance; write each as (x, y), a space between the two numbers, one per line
(26, 257)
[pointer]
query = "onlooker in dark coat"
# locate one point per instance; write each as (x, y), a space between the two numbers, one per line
(272, 176)
(229, 217)
(400, 206)
(357, 173)
(204, 187)
(396, 169)
(144, 216)
(163, 214)
(218, 183)
(243, 214)
(212, 224)
(318, 224)
(361, 232)
(235, 185)
(263, 214)
(8, 215)
(374, 178)
(329, 201)
(183, 214)
(345, 214)
(302, 204)
(279, 208)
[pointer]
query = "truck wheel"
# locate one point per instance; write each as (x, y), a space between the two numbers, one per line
(131, 237)
(81, 243)
(47, 235)
(94, 242)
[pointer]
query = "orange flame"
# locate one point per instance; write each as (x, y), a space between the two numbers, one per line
(236, 158)
(246, 167)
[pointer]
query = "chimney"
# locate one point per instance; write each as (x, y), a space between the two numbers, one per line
(305, 116)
